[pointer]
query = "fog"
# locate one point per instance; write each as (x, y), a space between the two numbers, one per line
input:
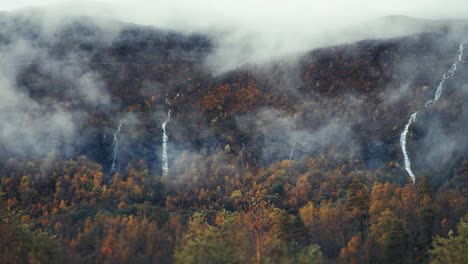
(247, 32)
(243, 32)
(45, 111)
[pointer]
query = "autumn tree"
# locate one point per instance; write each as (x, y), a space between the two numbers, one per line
(453, 248)
(390, 238)
(358, 205)
(205, 243)
(19, 243)
(354, 252)
(311, 254)
(259, 220)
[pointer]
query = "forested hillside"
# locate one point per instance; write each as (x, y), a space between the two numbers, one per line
(297, 160)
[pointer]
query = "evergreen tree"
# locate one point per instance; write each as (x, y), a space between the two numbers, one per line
(390, 238)
(452, 249)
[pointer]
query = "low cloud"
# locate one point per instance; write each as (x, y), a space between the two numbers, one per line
(283, 136)
(256, 31)
(43, 100)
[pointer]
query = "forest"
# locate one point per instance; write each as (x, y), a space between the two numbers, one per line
(291, 161)
(220, 211)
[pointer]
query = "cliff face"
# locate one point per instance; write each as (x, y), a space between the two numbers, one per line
(348, 102)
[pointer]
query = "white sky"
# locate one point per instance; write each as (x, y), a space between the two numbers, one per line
(263, 28)
(291, 11)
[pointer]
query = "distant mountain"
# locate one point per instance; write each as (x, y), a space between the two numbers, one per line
(121, 143)
(349, 101)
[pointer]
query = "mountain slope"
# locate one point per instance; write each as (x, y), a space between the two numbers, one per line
(295, 159)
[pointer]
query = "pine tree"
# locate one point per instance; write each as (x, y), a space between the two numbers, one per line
(453, 248)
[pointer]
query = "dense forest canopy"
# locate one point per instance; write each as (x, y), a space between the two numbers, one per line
(295, 160)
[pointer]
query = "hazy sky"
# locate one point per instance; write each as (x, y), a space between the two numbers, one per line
(252, 11)
(258, 30)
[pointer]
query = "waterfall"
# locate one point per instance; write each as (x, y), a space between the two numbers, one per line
(448, 75)
(115, 149)
(293, 139)
(165, 165)
(165, 138)
(292, 150)
(403, 146)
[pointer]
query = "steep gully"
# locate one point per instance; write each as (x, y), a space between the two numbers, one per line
(403, 138)
(115, 149)
(165, 139)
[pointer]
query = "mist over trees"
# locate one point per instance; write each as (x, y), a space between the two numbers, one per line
(287, 160)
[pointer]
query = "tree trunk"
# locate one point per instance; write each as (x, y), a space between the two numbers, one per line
(258, 253)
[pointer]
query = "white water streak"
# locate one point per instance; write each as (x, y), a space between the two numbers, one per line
(448, 75)
(165, 163)
(292, 140)
(165, 159)
(115, 149)
(293, 145)
(403, 146)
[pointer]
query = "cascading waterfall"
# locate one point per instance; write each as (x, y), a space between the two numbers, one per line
(403, 146)
(293, 142)
(448, 75)
(292, 149)
(165, 160)
(115, 149)
(165, 165)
